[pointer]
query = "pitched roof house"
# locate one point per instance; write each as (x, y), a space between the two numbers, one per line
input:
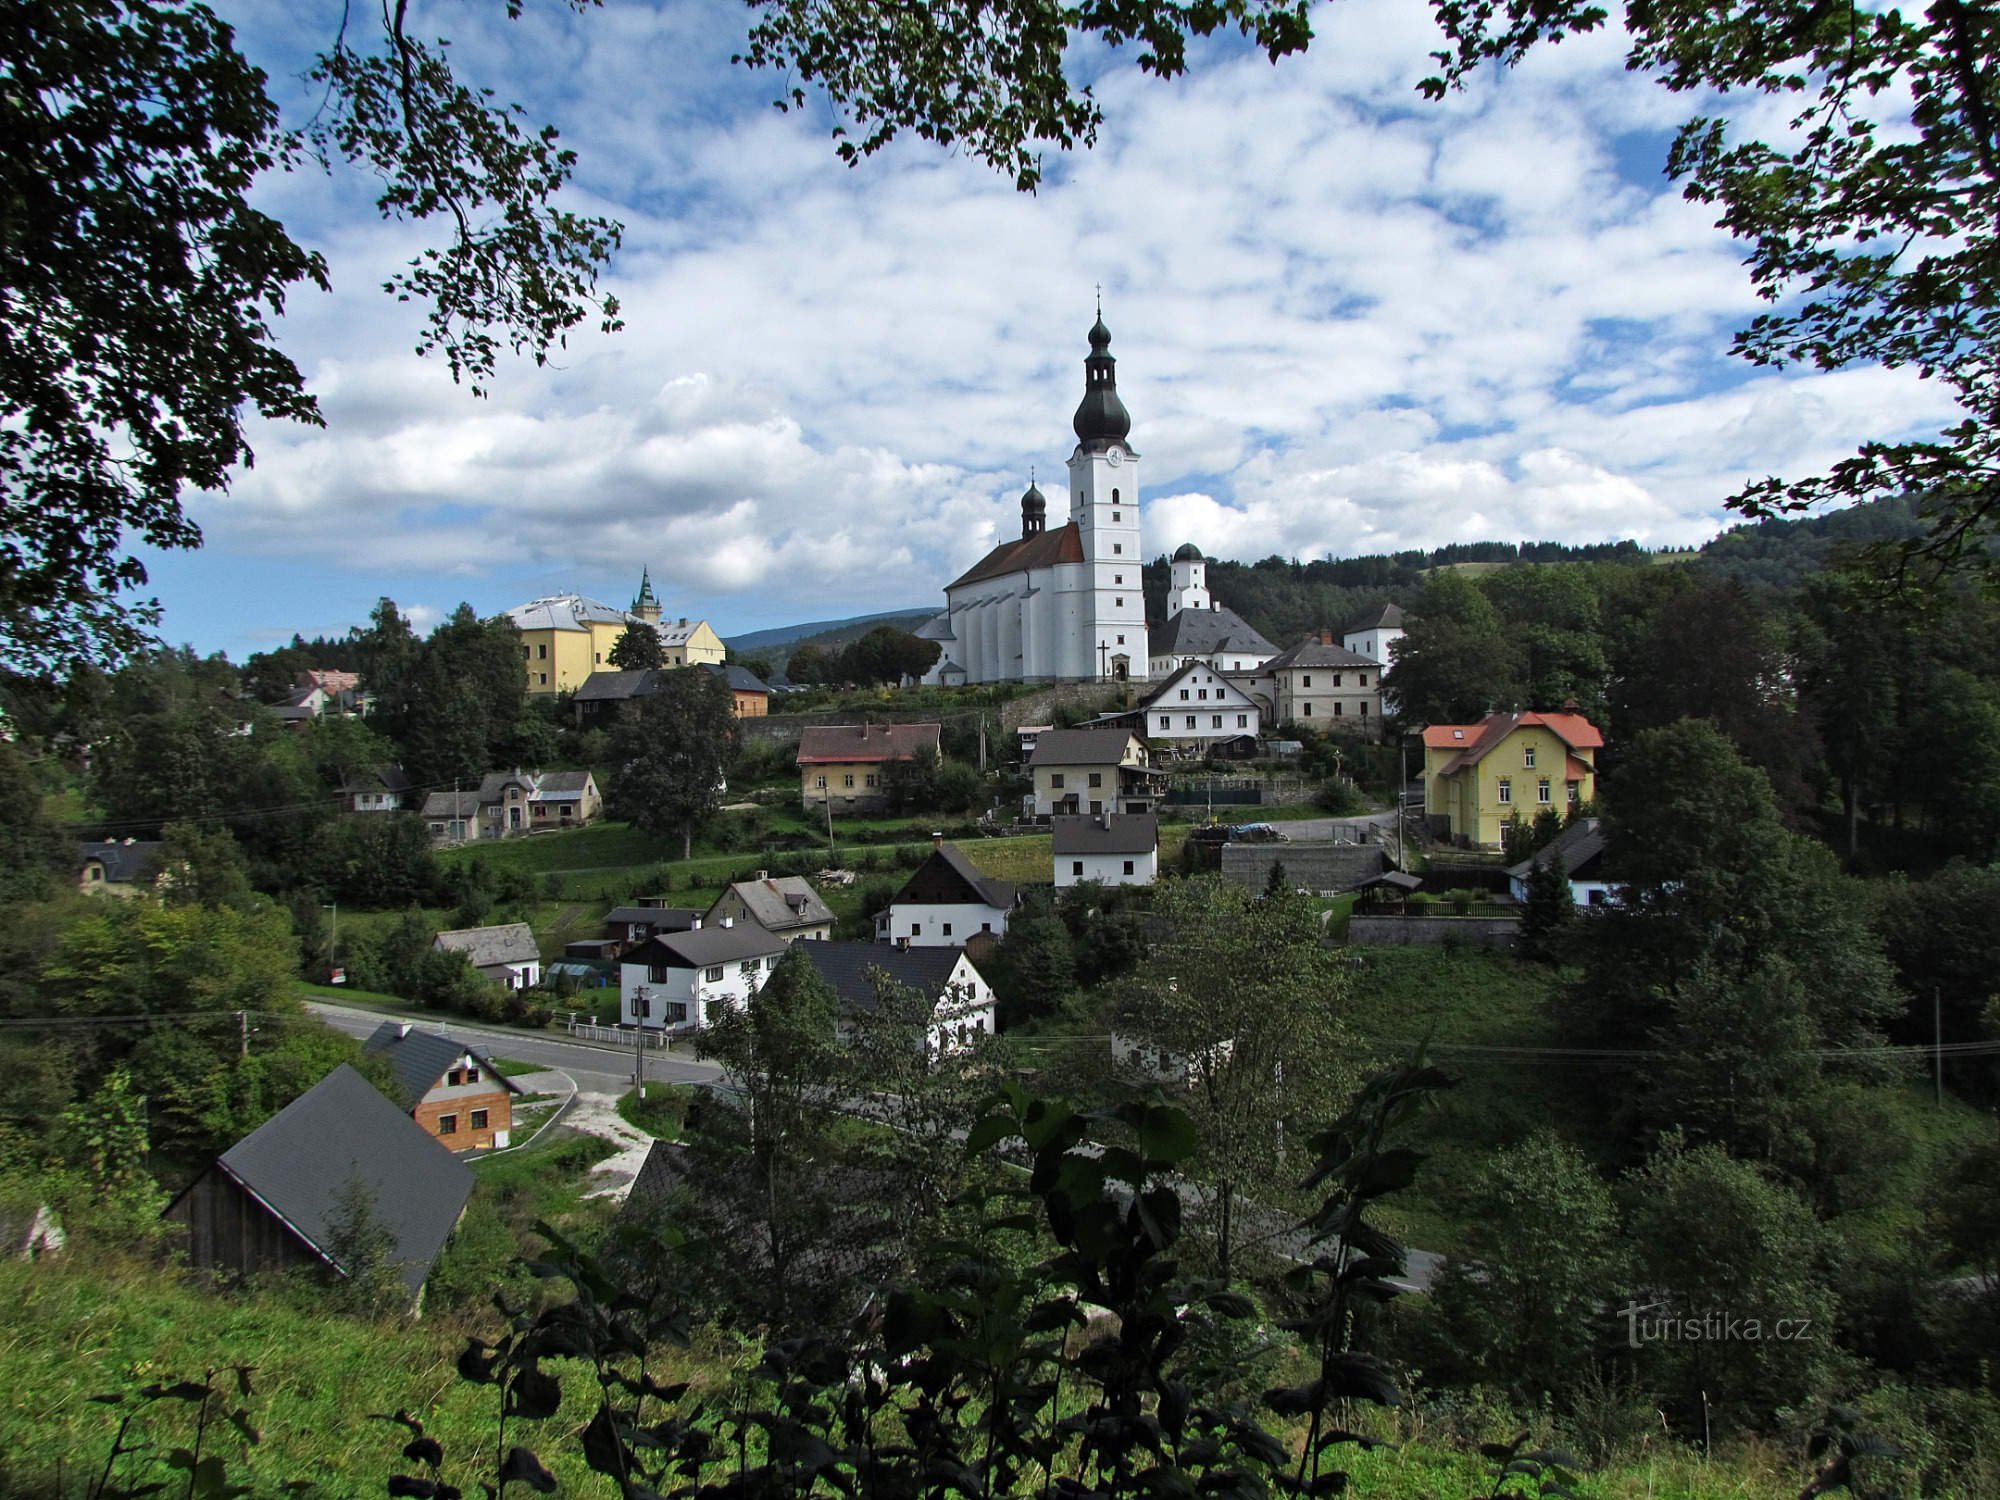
(282, 1195)
(679, 979)
(960, 999)
(947, 902)
(117, 867)
(843, 764)
(505, 954)
(1581, 847)
(1479, 777)
(380, 789)
(1198, 708)
(1111, 848)
(787, 907)
(1321, 685)
(449, 1088)
(514, 802)
(1092, 771)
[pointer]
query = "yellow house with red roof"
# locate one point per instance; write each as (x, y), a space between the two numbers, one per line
(1479, 777)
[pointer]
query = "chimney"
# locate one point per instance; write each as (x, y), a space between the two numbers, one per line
(937, 839)
(729, 921)
(763, 874)
(697, 925)
(402, 1030)
(1325, 636)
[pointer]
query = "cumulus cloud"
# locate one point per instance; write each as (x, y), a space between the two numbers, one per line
(1347, 320)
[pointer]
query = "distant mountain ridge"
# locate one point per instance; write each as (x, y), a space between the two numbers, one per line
(791, 635)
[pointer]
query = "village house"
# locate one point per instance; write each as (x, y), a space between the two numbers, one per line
(1111, 848)
(1321, 686)
(680, 979)
(787, 907)
(449, 1088)
(955, 995)
(506, 954)
(1479, 777)
(384, 789)
(947, 902)
(508, 803)
(1093, 771)
(843, 765)
(285, 1195)
(118, 867)
(628, 926)
(1200, 630)
(566, 637)
(1580, 847)
(1198, 710)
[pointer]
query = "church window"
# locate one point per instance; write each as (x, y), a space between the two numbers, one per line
(1114, 515)
(1117, 547)
(1114, 497)
(1119, 601)
(1118, 578)
(1121, 640)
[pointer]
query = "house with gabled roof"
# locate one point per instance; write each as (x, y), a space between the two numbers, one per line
(628, 926)
(450, 1088)
(1111, 848)
(787, 907)
(1198, 709)
(959, 1000)
(1321, 686)
(846, 764)
(507, 803)
(1200, 630)
(380, 789)
(506, 954)
(1580, 847)
(118, 867)
(285, 1195)
(1093, 771)
(1479, 777)
(947, 902)
(1374, 633)
(678, 980)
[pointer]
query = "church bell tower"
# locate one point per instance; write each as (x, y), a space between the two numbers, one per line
(1104, 503)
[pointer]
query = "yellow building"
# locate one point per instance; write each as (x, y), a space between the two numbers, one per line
(1479, 777)
(566, 637)
(846, 764)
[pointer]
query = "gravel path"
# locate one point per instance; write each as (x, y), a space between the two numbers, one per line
(597, 1114)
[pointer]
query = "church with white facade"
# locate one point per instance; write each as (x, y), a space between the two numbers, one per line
(1062, 604)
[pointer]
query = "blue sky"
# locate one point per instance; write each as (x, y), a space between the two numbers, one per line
(1347, 321)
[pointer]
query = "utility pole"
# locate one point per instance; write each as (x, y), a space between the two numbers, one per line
(1937, 1044)
(831, 858)
(1402, 784)
(243, 1033)
(641, 999)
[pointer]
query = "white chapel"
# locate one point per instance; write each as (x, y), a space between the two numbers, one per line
(1062, 604)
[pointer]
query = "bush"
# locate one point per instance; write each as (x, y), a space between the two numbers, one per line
(1341, 797)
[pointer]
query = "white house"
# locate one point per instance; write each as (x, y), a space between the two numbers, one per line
(1581, 846)
(947, 902)
(1092, 771)
(1373, 634)
(1066, 604)
(960, 999)
(678, 979)
(506, 954)
(1198, 707)
(1200, 630)
(1111, 848)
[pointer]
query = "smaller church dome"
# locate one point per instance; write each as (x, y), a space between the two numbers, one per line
(1034, 500)
(1189, 552)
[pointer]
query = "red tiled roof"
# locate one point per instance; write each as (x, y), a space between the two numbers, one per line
(1576, 770)
(854, 744)
(1474, 741)
(1063, 545)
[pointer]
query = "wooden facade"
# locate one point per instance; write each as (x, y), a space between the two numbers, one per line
(230, 1229)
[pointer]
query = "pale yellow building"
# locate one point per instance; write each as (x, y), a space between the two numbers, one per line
(566, 637)
(1480, 777)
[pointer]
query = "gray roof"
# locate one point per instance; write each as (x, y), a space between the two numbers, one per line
(617, 687)
(1080, 747)
(124, 860)
(740, 679)
(512, 943)
(1312, 652)
(561, 786)
(493, 785)
(850, 968)
(1580, 845)
(388, 778)
(707, 945)
(301, 1161)
(565, 612)
(779, 905)
(1107, 833)
(1207, 632)
(1382, 617)
(420, 1058)
(451, 805)
(990, 889)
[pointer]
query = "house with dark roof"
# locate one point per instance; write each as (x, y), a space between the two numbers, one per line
(1580, 847)
(844, 764)
(1200, 630)
(677, 980)
(382, 789)
(1093, 771)
(1198, 709)
(118, 867)
(787, 907)
(749, 694)
(288, 1193)
(506, 954)
(629, 926)
(1110, 848)
(1480, 777)
(947, 902)
(957, 1000)
(449, 1088)
(1374, 633)
(1320, 685)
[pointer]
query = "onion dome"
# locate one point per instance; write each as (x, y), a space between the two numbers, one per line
(1034, 511)
(1189, 552)
(1101, 417)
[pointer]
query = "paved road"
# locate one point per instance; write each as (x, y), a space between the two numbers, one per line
(1351, 830)
(597, 1068)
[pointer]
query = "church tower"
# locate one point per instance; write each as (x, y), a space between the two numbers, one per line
(646, 606)
(1104, 504)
